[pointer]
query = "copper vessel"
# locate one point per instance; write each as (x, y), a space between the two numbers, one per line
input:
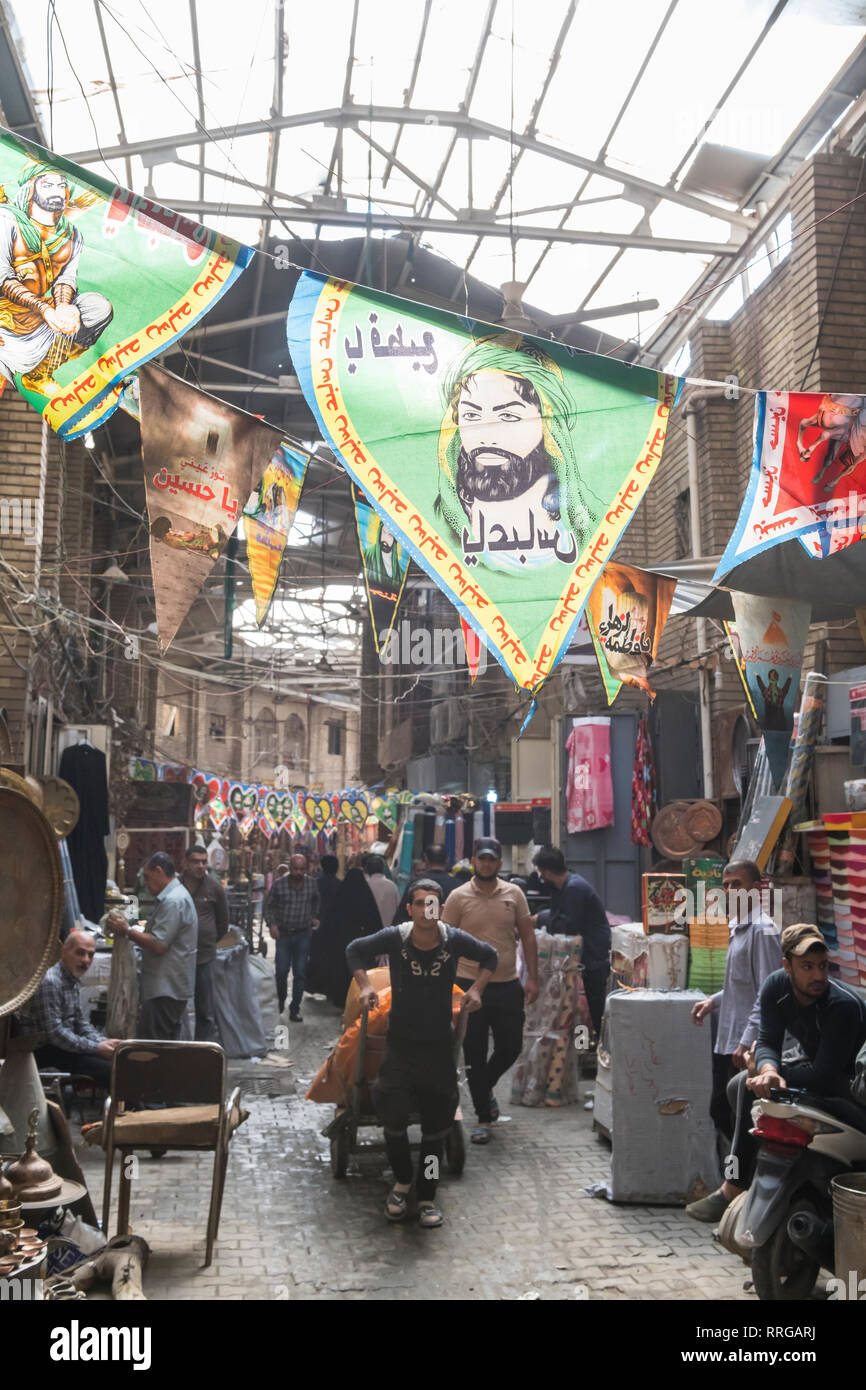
(32, 1178)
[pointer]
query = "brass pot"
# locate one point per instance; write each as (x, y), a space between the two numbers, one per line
(8, 1241)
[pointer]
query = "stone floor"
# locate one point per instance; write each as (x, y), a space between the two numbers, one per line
(519, 1223)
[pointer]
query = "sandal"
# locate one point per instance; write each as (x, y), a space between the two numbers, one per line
(481, 1135)
(396, 1205)
(429, 1214)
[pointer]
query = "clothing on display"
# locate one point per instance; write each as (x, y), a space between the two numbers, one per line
(84, 768)
(643, 789)
(589, 788)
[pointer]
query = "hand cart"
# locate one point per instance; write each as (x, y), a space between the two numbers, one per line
(343, 1129)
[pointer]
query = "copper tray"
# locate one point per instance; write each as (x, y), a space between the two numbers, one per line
(31, 894)
(60, 804)
(669, 833)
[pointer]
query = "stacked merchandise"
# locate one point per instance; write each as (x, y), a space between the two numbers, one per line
(708, 927)
(846, 837)
(629, 956)
(546, 1071)
(819, 854)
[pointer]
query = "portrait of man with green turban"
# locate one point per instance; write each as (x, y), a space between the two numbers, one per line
(509, 482)
(44, 320)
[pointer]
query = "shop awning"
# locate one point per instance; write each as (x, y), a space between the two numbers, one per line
(834, 587)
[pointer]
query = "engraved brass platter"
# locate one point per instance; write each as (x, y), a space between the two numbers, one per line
(31, 894)
(60, 804)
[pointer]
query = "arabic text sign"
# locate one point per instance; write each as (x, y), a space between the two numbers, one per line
(808, 464)
(201, 460)
(116, 279)
(628, 609)
(508, 467)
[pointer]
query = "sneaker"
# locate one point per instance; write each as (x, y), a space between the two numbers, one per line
(429, 1214)
(709, 1209)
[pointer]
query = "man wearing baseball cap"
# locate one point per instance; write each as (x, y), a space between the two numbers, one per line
(829, 1023)
(495, 911)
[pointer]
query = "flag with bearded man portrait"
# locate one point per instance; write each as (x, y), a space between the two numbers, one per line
(508, 466)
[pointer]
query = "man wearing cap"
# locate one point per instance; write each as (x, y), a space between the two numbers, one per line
(829, 1023)
(489, 908)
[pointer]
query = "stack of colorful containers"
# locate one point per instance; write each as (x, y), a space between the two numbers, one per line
(846, 838)
(819, 853)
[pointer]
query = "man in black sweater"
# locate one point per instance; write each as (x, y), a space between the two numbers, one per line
(418, 1072)
(829, 1023)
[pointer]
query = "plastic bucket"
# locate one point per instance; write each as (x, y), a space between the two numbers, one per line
(849, 1227)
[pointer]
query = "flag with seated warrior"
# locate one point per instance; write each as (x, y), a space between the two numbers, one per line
(808, 477)
(508, 466)
(268, 518)
(94, 281)
(385, 564)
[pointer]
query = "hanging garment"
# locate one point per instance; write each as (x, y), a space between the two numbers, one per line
(589, 789)
(83, 767)
(643, 786)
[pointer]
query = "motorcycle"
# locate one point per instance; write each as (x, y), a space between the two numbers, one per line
(783, 1223)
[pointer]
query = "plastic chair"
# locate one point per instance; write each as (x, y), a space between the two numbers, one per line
(189, 1080)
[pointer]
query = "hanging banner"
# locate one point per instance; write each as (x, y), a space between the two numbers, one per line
(201, 459)
(385, 563)
(773, 633)
(472, 643)
(94, 281)
(275, 810)
(268, 518)
(507, 466)
(737, 653)
(807, 475)
(626, 612)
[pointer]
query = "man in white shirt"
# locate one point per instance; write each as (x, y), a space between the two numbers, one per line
(754, 952)
(385, 892)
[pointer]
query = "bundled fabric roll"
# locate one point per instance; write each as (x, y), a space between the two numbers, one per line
(546, 1071)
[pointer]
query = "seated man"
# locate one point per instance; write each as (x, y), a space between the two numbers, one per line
(577, 910)
(753, 954)
(829, 1023)
(68, 1040)
(418, 1072)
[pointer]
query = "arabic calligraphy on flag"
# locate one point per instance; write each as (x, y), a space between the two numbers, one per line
(806, 477)
(268, 518)
(201, 458)
(627, 612)
(507, 466)
(94, 281)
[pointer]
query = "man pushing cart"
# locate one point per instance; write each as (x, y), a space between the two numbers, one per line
(418, 1073)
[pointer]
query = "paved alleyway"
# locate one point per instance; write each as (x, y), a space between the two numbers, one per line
(518, 1222)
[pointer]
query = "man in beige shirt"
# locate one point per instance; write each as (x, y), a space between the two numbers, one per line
(489, 908)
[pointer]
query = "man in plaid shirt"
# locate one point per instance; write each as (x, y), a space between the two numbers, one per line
(67, 1039)
(291, 912)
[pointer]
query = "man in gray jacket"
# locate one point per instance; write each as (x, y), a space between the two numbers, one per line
(168, 950)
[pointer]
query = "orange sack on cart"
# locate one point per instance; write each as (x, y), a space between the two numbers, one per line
(333, 1082)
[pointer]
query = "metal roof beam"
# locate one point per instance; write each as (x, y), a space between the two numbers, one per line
(466, 227)
(196, 57)
(351, 114)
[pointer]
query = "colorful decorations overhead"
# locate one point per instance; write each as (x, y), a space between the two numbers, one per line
(385, 564)
(507, 466)
(806, 475)
(201, 459)
(626, 613)
(268, 518)
(772, 633)
(96, 281)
